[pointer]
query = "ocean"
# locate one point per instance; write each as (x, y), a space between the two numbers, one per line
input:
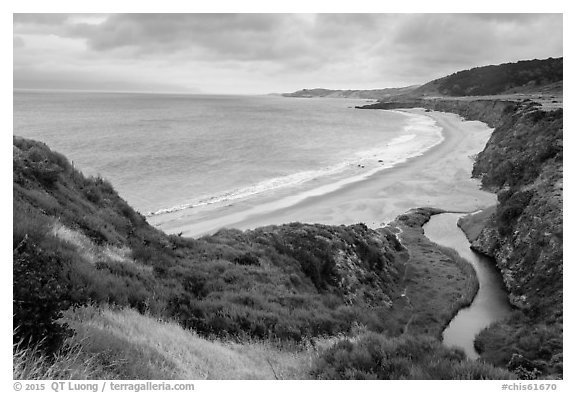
(167, 153)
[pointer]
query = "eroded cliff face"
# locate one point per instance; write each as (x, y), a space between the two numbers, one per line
(528, 248)
(522, 162)
(489, 111)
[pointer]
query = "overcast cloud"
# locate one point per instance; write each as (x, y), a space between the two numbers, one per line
(263, 53)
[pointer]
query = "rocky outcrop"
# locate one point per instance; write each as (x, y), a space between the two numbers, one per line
(523, 163)
(488, 111)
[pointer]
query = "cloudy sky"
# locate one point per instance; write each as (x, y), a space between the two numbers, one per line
(263, 53)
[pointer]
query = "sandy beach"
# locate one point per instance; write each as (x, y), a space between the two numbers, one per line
(441, 177)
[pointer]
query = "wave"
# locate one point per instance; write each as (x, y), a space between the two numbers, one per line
(263, 186)
(421, 134)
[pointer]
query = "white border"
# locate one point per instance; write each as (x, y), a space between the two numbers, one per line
(292, 6)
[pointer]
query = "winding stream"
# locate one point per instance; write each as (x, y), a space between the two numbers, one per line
(491, 302)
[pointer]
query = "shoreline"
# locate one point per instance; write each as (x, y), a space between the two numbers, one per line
(313, 182)
(439, 177)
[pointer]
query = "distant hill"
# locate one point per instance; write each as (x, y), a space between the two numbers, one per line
(375, 94)
(523, 76)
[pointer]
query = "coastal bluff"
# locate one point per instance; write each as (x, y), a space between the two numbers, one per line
(523, 163)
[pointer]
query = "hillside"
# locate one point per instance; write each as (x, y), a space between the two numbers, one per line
(515, 81)
(375, 94)
(523, 163)
(522, 76)
(77, 243)
(231, 282)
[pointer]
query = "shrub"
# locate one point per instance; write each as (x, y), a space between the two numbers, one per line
(369, 254)
(45, 172)
(276, 282)
(373, 356)
(511, 207)
(41, 292)
(247, 259)
(524, 346)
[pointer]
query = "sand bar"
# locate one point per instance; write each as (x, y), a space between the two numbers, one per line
(441, 177)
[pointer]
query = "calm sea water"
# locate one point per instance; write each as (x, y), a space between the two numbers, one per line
(165, 153)
(491, 302)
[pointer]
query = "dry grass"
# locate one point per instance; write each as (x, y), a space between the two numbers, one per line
(134, 346)
(92, 252)
(69, 363)
(123, 344)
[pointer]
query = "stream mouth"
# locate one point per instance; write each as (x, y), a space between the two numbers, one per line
(491, 302)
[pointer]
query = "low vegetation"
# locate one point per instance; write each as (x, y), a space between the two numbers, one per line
(77, 243)
(496, 79)
(374, 356)
(530, 348)
(124, 344)
(473, 224)
(32, 363)
(529, 139)
(288, 282)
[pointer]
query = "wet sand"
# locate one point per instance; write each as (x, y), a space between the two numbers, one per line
(438, 178)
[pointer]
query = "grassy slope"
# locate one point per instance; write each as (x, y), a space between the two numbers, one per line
(124, 344)
(496, 79)
(75, 241)
(287, 282)
(155, 349)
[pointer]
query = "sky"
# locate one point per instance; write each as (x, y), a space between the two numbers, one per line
(268, 53)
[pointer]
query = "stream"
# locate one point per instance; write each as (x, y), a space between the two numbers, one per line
(491, 302)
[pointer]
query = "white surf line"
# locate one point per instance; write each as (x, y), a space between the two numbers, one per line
(362, 159)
